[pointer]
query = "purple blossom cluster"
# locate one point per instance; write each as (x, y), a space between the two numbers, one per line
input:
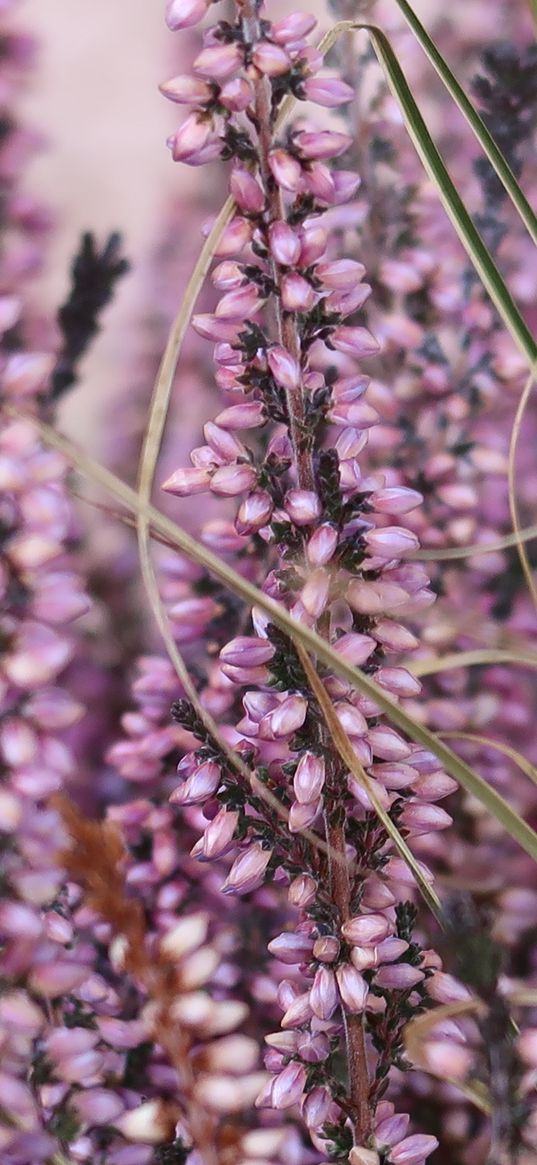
(212, 951)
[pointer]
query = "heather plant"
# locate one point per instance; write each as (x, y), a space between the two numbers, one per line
(278, 919)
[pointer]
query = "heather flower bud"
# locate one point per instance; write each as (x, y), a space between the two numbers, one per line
(352, 988)
(203, 782)
(223, 443)
(340, 274)
(288, 1086)
(248, 415)
(413, 1150)
(316, 1107)
(213, 327)
(354, 648)
(218, 61)
(193, 136)
(399, 681)
(425, 818)
(357, 414)
(235, 236)
(303, 506)
(247, 870)
(366, 929)
(322, 545)
(309, 778)
(289, 716)
(395, 501)
(254, 513)
(230, 480)
(351, 719)
(241, 303)
(271, 59)
(302, 816)
(187, 90)
(185, 13)
(246, 191)
(387, 744)
(391, 542)
(326, 949)
(297, 293)
(184, 482)
(285, 369)
(286, 170)
(298, 1012)
(327, 91)
(293, 27)
(398, 977)
(291, 947)
(394, 636)
(247, 651)
(354, 341)
(236, 95)
(302, 891)
(322, 144)
(284, 244)
(323, 994)
(314, 594)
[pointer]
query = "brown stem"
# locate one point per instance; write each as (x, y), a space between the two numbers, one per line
(354, 1025)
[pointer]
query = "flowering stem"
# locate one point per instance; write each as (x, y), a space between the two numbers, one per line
(287, 331)
(289, 338)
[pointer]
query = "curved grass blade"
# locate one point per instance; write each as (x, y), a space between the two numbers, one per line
(417, 1030)
(480, 657)
(511, 470)
(299, 633)
(527, 534)
(476, 123)
(512, 753)
(434, 165)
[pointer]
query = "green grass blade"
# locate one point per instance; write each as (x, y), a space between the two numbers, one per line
(309, 639)
(434, 165)
(477, 125)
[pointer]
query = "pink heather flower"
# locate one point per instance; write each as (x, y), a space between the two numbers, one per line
(284, 367)
(218, 60)
(297, 293)
(352, 988)
(284, 243)
(186, 90)
(303, 506)
(271, 59)
(184, 13)
(246, 191)
(391, 541)
(309, 778)
(288, 1086)
(286, 170)
(247, 871)
(322, 144)
(187, 481)
(291, 948)
(413, 1150)
(357, 342)
(365, 930)
(324, 995)
(329, 91)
